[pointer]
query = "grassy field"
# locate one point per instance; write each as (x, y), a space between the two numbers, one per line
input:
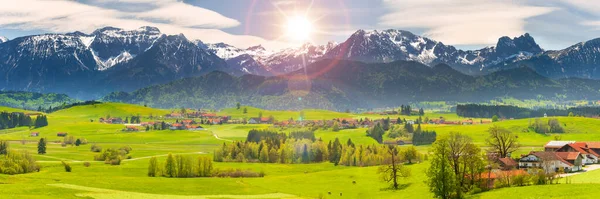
(323, 180)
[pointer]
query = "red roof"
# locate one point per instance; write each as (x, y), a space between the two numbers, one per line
(508, 162)
(264, 119)
(551, 156)
(593, 145)
(568, 155)
(177, 125)
(209, 114)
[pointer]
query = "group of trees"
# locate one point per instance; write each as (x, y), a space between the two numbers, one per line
(66, 106)
(505, 111)
(405, 110)
(12, 120)
(423, 137)
(543, 127)
(285, 151)
(376, 132)
(180, 166)
(456, 166)
(113, 156)
(16, 162)
(372, 155)
(133, 120)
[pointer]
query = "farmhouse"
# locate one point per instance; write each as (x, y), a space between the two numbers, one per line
(131, 129)
(552, 161)
(589, 156)
(507, 163)
(174, 115)
(35, 134)
(61, 134)
(194, 128)
(555, 145)
(176, 126)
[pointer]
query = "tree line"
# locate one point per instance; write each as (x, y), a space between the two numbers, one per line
(506, 111)
(15, 119)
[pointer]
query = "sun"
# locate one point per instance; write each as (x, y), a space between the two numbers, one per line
(299, 28)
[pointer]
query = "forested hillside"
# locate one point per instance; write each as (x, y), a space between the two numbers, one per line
(341, 85)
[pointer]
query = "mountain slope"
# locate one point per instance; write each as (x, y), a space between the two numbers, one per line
(340, 85)
(169, 58)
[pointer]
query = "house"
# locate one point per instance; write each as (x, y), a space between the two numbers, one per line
(208, 115)
(35, 134)
(176, 126)
(131, 129)
(507, 163)
(555, 145)
(411, 122)
(589, 156)
(575, 158)
(174, 115)
(194, 128)
(61, 134)
(467, 122)
(256, 120)
(594, 146)
(551, 161)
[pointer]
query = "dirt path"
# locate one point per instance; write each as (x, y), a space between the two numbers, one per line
(218, 138)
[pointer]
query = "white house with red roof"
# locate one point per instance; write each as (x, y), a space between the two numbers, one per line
(552, 161)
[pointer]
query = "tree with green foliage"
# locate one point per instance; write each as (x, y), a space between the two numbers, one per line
(238, 106)
(376, 132)
(410, 154)
(170, 166)
(335, 152)
(494, 118)
(260, 115)
(3, 147)
(264, 154)
(245, 110)
(335, 127)
(440, 175)
(305, 156)
(421, 111)
(77, 142)
(153, 167)
(42, 146)
(571, 114)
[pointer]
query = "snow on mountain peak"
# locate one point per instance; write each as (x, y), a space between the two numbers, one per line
(3, 39)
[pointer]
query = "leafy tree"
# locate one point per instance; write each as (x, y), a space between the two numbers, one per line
(391, 172)
(3, 147)
(264, 155)
(77, 142)
(502, 141)
(238, 106)
(494, 118)
(410, 154)
(305, 157)
(170, 166)
(336, 126)
(245, 110)
(376, 133)
(153, 167)
(42, 146)
(421, 111)
(441, 178)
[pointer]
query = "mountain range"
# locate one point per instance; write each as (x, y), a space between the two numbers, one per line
(87, 66)
(340, 84)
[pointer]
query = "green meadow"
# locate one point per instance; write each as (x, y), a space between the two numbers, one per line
(322, 180)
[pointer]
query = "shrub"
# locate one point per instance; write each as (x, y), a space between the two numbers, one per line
(67, 166)
(238, 173)
(17, 162)
(86, 164)
(112, 156)
(96, 148)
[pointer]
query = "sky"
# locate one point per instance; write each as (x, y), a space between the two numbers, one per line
(467, 24)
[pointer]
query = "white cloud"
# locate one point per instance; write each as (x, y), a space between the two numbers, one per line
(461, 22)
(170, 16)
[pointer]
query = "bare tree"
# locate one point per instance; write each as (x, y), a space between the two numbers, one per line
(502, 141)
(394, 170)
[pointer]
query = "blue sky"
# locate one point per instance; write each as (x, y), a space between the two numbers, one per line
(468, 24)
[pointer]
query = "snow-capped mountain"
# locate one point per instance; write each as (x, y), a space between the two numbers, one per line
(393, 45)
(3, 39)
(258, 60)
(75, 63)
(169, 58)
(581, 60)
